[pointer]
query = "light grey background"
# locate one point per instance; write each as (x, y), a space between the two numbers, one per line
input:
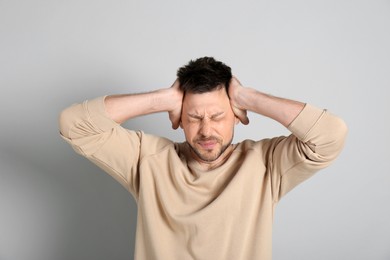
(55, 205)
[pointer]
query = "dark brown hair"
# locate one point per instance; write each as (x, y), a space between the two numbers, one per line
(204, 75)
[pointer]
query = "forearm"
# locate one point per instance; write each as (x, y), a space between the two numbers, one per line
(280, 109)
(123, 107)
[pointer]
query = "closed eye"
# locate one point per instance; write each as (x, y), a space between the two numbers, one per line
(217, 116)
(194, 118)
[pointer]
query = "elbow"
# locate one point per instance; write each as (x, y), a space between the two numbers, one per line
(326, 145)
(333, 140)
(341, 133)
(66, 120)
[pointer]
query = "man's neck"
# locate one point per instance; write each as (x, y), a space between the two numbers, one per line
(211, 165)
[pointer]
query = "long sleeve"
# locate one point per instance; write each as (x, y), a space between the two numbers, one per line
(317, 139)
(92, 134)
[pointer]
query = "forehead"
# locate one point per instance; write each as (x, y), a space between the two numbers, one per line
(211, 102)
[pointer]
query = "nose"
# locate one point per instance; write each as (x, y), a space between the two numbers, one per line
(205, 128)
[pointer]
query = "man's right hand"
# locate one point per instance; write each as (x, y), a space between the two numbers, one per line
(177, 102)
(126, 106)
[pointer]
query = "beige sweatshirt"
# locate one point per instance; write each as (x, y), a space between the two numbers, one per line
(186, 213)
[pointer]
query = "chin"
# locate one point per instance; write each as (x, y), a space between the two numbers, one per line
(207, 156)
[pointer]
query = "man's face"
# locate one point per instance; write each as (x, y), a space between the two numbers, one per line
(208, 123)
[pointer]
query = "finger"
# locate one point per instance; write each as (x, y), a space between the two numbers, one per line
(235, 80)
(244, 119)
(175, 126)
(241, 115)
(176, 84)
(175, 120)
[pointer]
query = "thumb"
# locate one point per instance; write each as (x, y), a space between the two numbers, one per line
(241, 115)
(175, 119)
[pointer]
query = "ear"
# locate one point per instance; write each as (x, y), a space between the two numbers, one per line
(236, 120)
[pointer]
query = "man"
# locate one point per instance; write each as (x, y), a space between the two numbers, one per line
(205, 198)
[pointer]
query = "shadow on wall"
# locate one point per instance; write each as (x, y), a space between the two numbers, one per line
(60, 206)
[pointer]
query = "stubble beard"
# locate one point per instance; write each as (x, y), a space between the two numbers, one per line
(210, 155)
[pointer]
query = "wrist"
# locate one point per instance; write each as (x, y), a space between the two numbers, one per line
(166, 100)
(244, 98)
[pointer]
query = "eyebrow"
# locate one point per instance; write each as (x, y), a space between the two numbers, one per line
(201, 117)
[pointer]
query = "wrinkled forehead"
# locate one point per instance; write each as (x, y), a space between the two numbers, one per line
(213, 101)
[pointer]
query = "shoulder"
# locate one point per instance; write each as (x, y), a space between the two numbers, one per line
(153, 144)
(260, 145)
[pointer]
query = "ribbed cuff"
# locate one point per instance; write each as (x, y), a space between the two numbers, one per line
(98, 114)
(305, 121)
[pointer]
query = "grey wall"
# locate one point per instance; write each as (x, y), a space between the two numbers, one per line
(54, 205)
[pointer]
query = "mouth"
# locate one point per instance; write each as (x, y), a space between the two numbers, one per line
(207, 144)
